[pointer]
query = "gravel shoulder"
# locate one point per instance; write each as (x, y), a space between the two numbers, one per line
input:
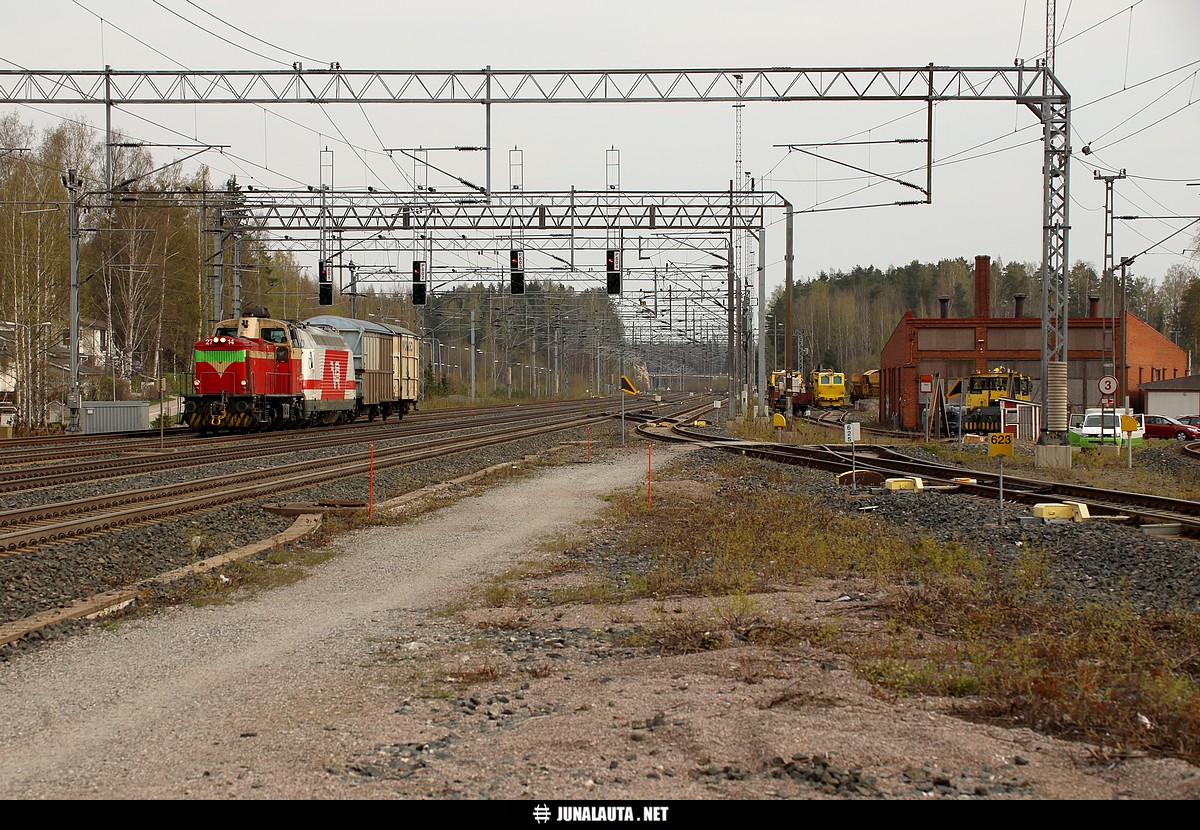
(351, 684)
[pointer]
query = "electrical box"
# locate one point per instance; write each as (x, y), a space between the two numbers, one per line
(1050, 510)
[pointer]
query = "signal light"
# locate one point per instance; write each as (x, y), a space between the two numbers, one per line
(516, 271)
(418, 282)
(613, 264)
(324, 283)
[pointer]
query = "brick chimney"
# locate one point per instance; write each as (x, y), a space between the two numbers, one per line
(983, 286)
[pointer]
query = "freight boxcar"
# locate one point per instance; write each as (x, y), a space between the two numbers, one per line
(386, 362)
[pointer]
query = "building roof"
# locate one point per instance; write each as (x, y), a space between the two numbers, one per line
(1187, 383)
(345, 324)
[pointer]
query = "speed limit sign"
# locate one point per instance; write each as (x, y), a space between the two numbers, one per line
(1107, 384)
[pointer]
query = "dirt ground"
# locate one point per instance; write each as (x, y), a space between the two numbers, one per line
(395, 671)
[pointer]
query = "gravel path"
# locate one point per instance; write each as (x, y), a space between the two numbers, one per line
(182, 704)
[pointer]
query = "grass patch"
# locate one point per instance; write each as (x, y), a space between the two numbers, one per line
(953, 622)
(242, 578)
(1100, 466)
(800, 432)
(1104, 674)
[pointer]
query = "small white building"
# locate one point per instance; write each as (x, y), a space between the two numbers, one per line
(1174, 398)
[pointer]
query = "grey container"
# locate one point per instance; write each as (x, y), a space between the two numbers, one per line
(113, 416)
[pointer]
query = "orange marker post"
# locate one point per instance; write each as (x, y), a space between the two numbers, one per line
(371, 484)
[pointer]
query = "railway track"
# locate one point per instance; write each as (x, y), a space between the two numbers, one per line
(1191, 450)
(56, 448)
(836, 418)
(1155, 514)
(24, 528)
(66, 543)
(136, 459)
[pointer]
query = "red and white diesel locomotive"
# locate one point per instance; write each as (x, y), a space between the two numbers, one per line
(258, 373)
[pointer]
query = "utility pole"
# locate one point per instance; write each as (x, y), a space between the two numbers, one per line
(1108, 272)
(730, 345)
(237, 274)
(72, 185)
(740, 241)
(217, 277)
(1051, 27)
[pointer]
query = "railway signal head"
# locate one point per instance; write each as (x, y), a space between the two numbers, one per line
(613, 265)
(324, 283)
(516, 271)
(418, 282)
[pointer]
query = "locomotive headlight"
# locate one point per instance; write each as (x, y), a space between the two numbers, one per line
(196, 383)
(243, 383)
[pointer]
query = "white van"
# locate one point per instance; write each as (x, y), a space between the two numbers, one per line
(1104, 425)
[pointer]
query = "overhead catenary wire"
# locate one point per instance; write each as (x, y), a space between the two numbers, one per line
(251, 36)
(355, 148)
(217, 36)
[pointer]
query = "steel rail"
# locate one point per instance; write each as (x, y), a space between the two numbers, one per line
(108, 512)
(1137, 508)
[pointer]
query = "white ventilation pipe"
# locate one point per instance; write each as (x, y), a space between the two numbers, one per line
(1056, 396)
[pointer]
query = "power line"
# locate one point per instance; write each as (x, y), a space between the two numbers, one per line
(247, 34)
(1143, 109)
(1152, 124)
(122, 31)
(1089, 28)
(217, 36)
(1129, 259)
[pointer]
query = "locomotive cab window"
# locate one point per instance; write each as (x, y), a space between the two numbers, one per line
(226, 331)
(274, 335)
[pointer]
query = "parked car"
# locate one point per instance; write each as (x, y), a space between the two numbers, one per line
(1194, 420)
(1160, 426)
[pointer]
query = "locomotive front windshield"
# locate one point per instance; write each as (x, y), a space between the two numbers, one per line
(226, 331)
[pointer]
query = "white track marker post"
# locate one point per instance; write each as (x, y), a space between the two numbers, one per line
(853, 432)
(649, 470)
(1001, 491)
(371, 485)
(1001, 444)
(160, 383)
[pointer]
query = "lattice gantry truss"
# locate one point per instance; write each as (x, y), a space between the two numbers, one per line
(1034, 87)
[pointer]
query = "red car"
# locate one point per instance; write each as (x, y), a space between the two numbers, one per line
(1160, 426)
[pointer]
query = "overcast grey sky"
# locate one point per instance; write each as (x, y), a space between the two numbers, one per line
(1130, 66)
